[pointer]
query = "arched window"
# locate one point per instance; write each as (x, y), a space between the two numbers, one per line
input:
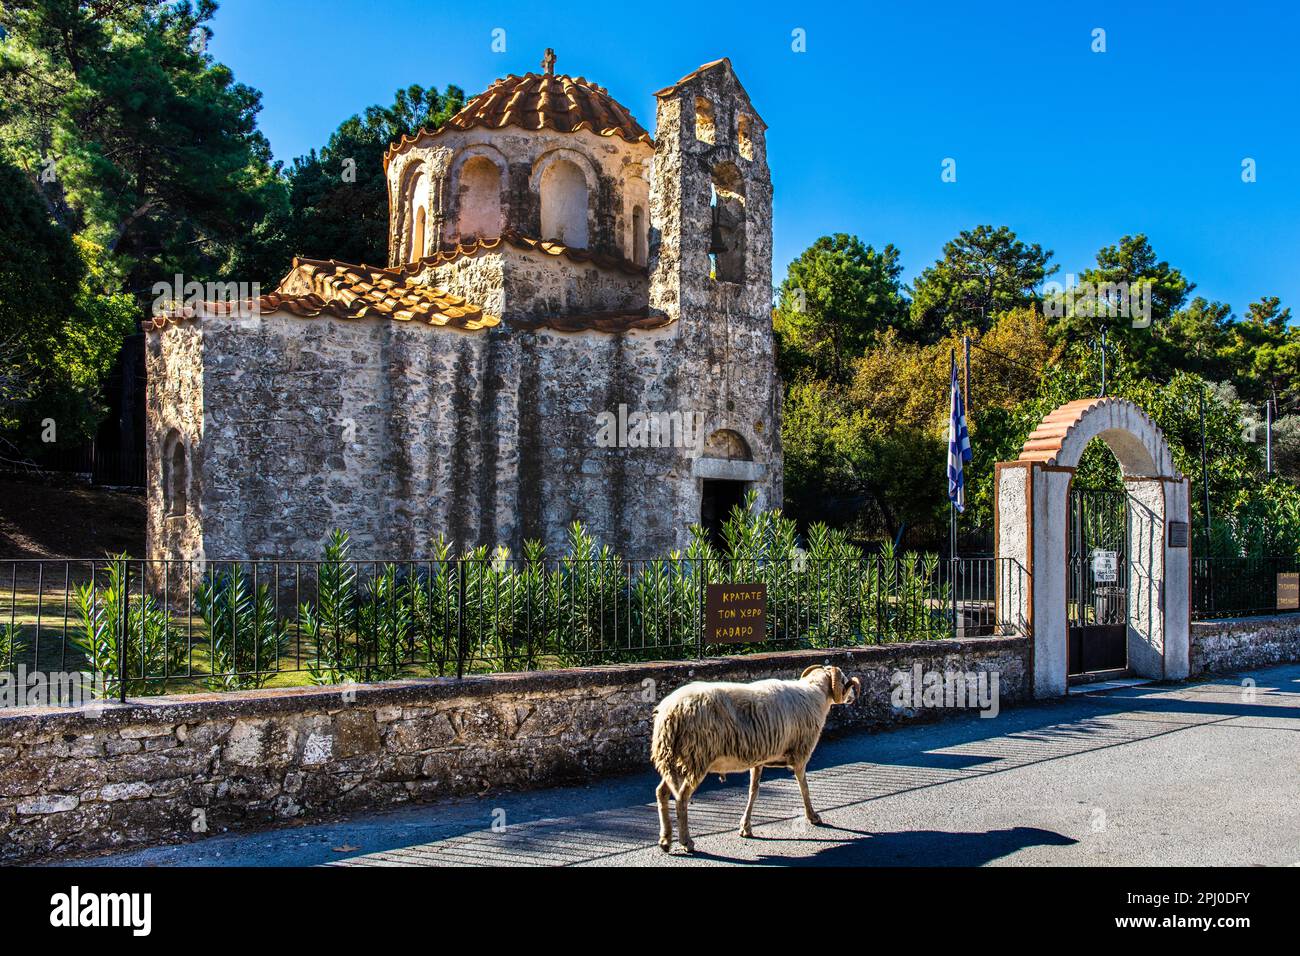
(175, 477)
(727, 245)
(417, 239)
(744, 136)
(705, 128)
(564, 204)
(417, 201)
(479, 199)
(729, 444)
(638, 235)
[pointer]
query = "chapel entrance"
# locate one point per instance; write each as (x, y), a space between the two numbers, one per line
(1098, 580)
(1079, 571)
(719, 497)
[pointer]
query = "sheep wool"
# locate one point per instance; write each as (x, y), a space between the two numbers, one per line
(721, 728)
(701, 725)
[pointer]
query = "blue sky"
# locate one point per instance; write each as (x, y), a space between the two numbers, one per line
(1070, 148)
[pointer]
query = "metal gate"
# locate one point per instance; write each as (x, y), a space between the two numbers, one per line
(1097, 603)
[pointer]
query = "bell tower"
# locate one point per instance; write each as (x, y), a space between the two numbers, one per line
(711, 270)
(711, 199)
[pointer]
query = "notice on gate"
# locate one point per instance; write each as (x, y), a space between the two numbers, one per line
(735, 613)
(1105, 566)
(1288, 591)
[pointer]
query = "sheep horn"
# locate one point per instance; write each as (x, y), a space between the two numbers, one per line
(837, 685)
(809, 670)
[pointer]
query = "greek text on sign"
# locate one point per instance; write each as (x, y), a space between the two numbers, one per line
(1288, 591)
(735, 613)
(1105, 566)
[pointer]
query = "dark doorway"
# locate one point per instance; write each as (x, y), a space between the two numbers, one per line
(1098, 581)
(719, 498)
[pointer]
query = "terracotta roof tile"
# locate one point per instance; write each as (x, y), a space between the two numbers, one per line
(537, 101)
(317, 287)
(1046, 441)
(325, 287)
(526, 243)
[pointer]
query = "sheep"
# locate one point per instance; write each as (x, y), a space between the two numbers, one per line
(720, 728)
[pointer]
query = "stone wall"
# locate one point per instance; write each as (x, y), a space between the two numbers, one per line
(173, 411)
(526, 284)
(176, 768)
(1242, 643)
(726, 325)
(400, 434)
(614, 168)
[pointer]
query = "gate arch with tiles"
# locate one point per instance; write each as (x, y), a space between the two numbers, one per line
(1034, 535)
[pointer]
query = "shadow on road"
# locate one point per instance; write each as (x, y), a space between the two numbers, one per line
(903, 848)
(927, 848)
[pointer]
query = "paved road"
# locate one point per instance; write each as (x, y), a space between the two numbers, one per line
(1191, 774)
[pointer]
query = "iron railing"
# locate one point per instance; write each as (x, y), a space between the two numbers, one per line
(1238, 587)
(145, 627)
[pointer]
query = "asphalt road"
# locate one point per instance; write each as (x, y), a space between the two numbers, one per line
(1199, 774)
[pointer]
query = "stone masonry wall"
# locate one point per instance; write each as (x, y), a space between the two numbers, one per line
(528, 285)
(172, 769)
(174, 404)
(1242, 643)
(727, 354)
(615, 170)
(399, 434)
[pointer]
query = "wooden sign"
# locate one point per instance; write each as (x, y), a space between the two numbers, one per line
(735, 613)
(1178, 534)
(1288, 591)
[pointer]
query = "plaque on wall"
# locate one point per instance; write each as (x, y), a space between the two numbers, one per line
(1288, 591)
(735, 613)
(1178, 534)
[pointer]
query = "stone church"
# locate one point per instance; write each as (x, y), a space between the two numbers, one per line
(574, 323)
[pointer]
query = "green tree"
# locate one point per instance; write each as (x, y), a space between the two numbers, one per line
(135, 137)
(983, 271)
(904, 386)
(338, 198)
(844, 466)
(1196, 339)
(60, 323)
(836, 297)
(1129, 268)
(1263, 352)
(1251, 512)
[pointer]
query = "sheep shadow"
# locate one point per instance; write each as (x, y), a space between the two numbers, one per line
(922, 848)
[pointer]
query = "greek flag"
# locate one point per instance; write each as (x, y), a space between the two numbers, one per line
(958, 445)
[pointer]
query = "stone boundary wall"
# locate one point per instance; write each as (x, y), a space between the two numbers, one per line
(1241, 643)
(169, 769)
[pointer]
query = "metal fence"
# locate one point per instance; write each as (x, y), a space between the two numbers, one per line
(147, 627)
(111, 466)
(1238, 587)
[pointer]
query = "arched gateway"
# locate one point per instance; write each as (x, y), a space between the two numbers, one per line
(1033, 535)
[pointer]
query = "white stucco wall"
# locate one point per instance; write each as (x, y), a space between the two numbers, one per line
(1033, 528)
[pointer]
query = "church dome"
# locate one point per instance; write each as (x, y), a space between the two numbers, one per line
(547, 101)
(537, 101)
